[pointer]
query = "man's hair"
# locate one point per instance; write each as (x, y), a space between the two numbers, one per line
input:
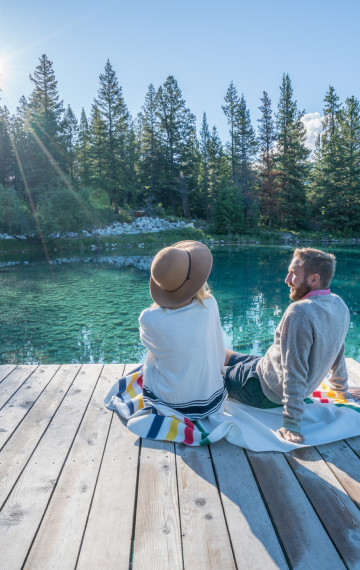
(317, 261)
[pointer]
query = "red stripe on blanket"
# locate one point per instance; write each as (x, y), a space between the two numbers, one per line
(324, 400)
(316, 394)
(189, 432)
(140, 381)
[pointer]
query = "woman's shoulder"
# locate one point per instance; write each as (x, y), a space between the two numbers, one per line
(210, 301)
(150, 313)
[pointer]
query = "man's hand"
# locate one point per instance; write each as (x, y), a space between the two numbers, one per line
(355, 392)
(293, 436)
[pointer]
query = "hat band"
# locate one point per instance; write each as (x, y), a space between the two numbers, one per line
(186, 278)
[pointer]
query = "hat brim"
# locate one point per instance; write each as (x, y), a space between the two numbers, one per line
(201, 263)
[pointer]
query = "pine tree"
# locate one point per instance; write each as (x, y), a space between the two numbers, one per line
(267, 189)
(44, 159)
(98, 149)
(326, 177)
(111, 114)
(291, 159)
(70, 133)
(204, 182)
(242, 149)
(131, 160)
(247, 148)
(148, 135)
(179, 147)
(6, 149)
(212, 168)
(83, 152)
(349, 151)
(229, 210)
(217, 168)
(20, 142)
(231, 110)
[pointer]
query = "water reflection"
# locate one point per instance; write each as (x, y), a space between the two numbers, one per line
(85, 309)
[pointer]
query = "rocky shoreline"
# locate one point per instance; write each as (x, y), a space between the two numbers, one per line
(137, 226)
(145, 225)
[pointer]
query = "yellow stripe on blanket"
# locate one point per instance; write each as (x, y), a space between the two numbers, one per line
(129, 389)
(331, 394)
(172, 433)
(140, 400)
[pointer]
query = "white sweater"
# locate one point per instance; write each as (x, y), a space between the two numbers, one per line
(185, 359)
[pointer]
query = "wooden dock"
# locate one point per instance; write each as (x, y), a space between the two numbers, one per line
(78, 490)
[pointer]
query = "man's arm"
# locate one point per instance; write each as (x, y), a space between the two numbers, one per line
(296, 340)
(339, 376)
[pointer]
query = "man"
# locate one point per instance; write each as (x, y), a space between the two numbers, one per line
(308, 343)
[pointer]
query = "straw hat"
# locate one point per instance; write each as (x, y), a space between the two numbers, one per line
(178, 272)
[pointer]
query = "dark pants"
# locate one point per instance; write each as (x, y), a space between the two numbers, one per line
(242, 381)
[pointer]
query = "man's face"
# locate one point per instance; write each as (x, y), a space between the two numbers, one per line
(299, 285)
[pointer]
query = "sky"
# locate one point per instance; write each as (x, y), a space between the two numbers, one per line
(204, 44)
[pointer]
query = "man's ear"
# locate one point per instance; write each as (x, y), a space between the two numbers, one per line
(315, 280)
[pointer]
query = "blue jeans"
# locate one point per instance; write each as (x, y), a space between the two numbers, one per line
(243, 383)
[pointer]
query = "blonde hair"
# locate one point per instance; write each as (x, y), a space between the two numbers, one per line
(203, 293)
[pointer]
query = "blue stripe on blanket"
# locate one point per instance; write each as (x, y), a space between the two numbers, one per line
(131, 406)
(122, 386)
(195, 410)
(155, 426)
(128, 403)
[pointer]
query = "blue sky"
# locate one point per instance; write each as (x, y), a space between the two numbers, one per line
(204, 44)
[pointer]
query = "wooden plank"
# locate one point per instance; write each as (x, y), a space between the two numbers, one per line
(107, 539)
(205, 539)
(21, 445)
(24, 509)
(335, 509)
(299, 529)
(157, 543)
(13, 381)
(353, 368)
(5, 369)
(253, 537)
(59, 538)
(345, 465)
(354, 372)
(354, 443)
(18, 406)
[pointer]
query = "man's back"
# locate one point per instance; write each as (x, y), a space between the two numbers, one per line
(308, 342)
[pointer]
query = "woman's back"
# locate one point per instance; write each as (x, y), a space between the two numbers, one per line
(185, 357)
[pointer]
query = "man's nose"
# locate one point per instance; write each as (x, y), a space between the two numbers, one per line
(288, 278)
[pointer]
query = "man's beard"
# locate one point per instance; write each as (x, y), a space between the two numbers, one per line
(299, 292)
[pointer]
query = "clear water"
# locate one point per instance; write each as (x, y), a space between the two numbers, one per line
(86, 309)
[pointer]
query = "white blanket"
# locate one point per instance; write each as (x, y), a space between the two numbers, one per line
(325, 419)
(255, 429)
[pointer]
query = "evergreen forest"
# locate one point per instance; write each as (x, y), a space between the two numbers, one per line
(62, 173)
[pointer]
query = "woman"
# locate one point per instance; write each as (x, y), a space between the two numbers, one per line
(182, 333)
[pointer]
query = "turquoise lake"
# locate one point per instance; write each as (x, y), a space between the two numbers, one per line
(86, 309)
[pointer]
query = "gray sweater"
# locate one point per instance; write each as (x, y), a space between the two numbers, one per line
(308, 343)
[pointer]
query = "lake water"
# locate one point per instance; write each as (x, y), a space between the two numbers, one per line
(86, 309)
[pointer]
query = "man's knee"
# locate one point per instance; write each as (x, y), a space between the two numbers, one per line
(228, 355)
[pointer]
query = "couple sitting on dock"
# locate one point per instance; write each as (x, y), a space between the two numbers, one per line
(188, 374)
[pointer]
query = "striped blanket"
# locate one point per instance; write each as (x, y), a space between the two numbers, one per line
(244, 426)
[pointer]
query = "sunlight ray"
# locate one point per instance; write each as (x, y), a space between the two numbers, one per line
(28, 193)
